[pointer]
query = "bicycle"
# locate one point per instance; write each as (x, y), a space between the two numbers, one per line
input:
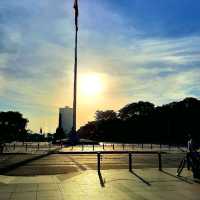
(193, 162)
(181, 166)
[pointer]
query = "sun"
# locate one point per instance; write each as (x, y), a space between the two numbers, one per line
(91, 84)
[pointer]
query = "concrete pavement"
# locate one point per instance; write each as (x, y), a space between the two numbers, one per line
(142, 184)
(62, 163)
(80, 179)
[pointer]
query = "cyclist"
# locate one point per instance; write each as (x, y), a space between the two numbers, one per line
(193, 159)
(190, 148)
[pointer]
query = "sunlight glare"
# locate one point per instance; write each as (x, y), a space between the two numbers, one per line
(91, 84)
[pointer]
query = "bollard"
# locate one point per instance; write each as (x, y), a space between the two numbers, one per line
(130, 162)
(98, 162)
(159, 162)
(113, 147)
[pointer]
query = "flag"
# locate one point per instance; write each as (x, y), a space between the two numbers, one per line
(76, 13)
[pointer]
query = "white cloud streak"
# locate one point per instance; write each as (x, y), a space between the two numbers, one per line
(36, 62)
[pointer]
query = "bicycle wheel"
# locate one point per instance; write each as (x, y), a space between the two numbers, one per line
(181, 166)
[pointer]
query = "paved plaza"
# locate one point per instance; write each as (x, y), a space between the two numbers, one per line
(141, 184)
(28, 165)
(62, 175)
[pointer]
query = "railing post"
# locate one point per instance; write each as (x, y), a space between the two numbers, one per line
(159, 162)
(151, 146)
(93, 147)
(123, 146)
(130, 162)
(82, 147)
(113, 147)
(98, 162)
(103, 146)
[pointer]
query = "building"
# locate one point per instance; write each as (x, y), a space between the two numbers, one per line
(66, 119)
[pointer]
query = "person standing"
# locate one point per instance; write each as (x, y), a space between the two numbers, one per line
(193, 159)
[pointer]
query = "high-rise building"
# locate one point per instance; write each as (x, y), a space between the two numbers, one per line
(66, 119)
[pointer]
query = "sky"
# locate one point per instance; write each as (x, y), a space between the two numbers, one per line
(138, 49)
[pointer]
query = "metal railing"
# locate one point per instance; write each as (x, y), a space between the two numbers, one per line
(100, 154)
(122, 146)
(34, 147)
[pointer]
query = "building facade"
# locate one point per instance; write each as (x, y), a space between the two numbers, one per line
(66, 119)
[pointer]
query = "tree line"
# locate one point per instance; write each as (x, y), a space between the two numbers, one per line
(143, 122)
(137, 122)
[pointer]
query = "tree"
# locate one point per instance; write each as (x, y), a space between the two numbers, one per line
(60, 134)
(144, 123)
(105, 115)
(88, 131)
(12, 126)
(134, 110)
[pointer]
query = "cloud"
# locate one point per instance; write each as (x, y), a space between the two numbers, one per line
(163, 90)
(2, 85)
(159, 70)
(138, 63)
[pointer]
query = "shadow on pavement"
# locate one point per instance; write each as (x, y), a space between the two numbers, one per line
(178, 177)
(102, 182)
(81, 167)
(139, 177)
(8, 168)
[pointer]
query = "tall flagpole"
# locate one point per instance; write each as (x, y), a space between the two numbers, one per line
(75, 83)
(75, 67)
